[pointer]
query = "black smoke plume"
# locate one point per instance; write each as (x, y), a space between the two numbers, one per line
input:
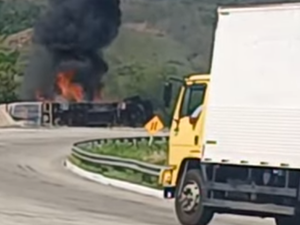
(70, 36)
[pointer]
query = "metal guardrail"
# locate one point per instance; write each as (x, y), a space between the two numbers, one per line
(79, 151)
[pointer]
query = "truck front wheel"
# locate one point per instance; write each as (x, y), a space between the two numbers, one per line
(188, 203)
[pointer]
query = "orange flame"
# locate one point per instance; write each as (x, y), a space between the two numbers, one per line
(69, 90)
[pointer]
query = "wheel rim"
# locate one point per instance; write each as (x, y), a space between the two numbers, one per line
(190, 197)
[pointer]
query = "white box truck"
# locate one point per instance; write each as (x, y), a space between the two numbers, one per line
(250, 160)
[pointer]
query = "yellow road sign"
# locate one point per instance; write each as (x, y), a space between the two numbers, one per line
(154, 125)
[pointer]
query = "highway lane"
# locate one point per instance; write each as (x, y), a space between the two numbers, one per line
(35, 189)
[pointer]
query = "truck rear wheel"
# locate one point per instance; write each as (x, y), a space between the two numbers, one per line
(188, 203)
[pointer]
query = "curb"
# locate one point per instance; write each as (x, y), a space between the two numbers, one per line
(113, 182)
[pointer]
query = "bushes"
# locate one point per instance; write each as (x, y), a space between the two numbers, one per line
(9, 73)
(15, 16)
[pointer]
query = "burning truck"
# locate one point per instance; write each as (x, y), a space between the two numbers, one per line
(67, 66)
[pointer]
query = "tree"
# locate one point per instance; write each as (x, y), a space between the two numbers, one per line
(18, 15)
(9, 72)
(15, 16)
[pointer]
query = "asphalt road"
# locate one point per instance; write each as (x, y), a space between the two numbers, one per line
(35, 188)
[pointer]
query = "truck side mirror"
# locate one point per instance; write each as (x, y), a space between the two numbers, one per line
(167, 95)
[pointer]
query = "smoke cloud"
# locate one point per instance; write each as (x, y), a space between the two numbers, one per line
(70, 36)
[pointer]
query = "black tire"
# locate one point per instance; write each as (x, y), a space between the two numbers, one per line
(289, 220)
(201, 215)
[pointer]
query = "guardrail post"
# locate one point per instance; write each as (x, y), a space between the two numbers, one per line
(135, 142)
(94, 144)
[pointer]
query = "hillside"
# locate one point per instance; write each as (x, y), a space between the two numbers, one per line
(157, 38)
(164, 31)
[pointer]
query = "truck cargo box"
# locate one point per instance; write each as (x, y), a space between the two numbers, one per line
(253, 111)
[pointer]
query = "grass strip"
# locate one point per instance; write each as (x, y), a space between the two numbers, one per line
(156, 153)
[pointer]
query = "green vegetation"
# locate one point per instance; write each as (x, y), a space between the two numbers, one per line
(18, 15)
(15, 16)
(142, 151)
(155, 153)
(9, 73)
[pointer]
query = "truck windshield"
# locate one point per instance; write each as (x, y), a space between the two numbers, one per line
(192, 100)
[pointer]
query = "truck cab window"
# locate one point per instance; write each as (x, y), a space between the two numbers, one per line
(192, 99)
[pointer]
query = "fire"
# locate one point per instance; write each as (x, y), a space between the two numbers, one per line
(70, 91)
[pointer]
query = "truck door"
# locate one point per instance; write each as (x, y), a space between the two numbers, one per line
(186, 129)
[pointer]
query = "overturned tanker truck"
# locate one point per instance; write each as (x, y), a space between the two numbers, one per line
(131, 112)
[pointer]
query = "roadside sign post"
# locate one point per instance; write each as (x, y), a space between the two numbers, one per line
(153, 126)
